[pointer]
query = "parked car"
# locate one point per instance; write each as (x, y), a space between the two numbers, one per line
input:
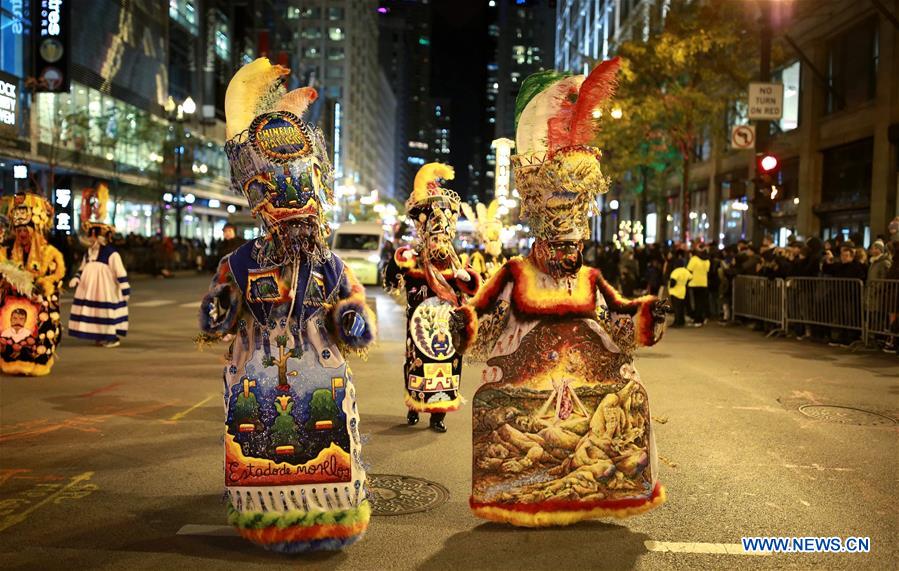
(359, 245)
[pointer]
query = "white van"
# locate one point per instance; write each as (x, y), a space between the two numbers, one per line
(359, 245)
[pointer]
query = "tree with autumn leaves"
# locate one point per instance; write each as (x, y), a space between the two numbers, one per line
(674, 92)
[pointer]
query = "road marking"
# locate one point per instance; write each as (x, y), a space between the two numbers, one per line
(192, 304)
(208, 530)
(178, 416)
(153, 303)
(75, 489)
(83, 423)
(100, 390)
(690, 547)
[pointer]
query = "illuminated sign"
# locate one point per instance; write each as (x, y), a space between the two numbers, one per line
(50, 22)
(9, 104)
(20, 172)
(63, 207)
(503, 167)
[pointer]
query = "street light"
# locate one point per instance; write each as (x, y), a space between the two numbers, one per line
(177, 113)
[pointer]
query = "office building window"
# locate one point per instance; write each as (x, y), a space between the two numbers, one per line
(312, 33)
(847, 172)
(335, 13)
(185, 13)
(310, 52)
(334, 72)
(310, 13)
(852, 67)
(335, 54)
(789, 76)
(222, 41)
(336, 34)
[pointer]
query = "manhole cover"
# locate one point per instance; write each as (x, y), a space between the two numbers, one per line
(845, 415)
(399, 495)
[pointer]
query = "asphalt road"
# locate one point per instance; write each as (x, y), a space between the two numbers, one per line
(103, 463)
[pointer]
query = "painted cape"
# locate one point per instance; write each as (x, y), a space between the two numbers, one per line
(293, 467)
(29, 320)
(561, 424)
(432, 372)
(100, 307)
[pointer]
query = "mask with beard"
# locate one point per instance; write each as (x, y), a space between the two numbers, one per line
(559, 258)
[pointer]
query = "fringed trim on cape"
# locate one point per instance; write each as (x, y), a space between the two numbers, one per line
(296, 531)
(469, 334)
(645, 324)
(566, 513)
(27, 368)
(441, 406)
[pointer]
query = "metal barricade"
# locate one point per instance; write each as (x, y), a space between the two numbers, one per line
(759, 298)
(881, 308)
(829, 302)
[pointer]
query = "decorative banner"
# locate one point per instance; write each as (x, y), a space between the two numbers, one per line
(9, 104)
(50, 21)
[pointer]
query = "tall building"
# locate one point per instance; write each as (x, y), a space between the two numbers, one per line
(525, 45)
(405, 54)
(440, 142)
(338, 51)
(838, 139)
(112, 126)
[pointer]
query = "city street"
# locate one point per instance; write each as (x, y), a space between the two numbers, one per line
(115, 460)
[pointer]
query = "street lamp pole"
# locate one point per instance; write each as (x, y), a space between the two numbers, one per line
(178, 112)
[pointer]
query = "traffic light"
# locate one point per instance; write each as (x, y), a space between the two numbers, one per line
(767, 166)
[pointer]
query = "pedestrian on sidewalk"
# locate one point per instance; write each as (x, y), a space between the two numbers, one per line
(100, 307)
(698, 266)
(677, 290)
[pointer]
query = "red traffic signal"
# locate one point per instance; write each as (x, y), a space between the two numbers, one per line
(767, 164)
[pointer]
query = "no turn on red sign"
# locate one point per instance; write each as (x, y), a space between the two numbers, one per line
(742, 137)
(766, 101)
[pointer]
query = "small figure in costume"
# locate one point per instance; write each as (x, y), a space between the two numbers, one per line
(435, 284)
(561, 425)
(100, 308)
(488, 229)
(30, 274)
(290, 310)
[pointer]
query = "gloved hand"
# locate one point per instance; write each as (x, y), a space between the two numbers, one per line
(353, 324)
(73, 283)
(463, 275)
(660, 310)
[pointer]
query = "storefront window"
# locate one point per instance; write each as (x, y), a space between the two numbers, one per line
(789, 76)
(733, 221)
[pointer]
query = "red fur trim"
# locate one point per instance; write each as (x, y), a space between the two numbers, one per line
(473, 284)
(470, 334)
(401, 260)
(530, 300)
(644, 324)
(567, 505)
(485, 298)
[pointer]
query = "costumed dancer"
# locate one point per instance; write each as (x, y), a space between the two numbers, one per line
(32, 272)
(100, 308)
(561, 425)
(438, 325)
(488, 229)
(291, 310)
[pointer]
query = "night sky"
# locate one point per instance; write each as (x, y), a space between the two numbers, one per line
(459, 72)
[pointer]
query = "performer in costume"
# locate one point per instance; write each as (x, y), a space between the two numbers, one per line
(31, 271)
(562, 430)
(435, 285)
(100, 308)
(488, 231)
(291, 310)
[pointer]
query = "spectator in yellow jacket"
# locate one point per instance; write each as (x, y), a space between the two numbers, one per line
(698, 266)
(677, 291)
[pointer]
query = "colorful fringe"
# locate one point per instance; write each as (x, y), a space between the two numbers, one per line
(27, 368)
(298, 532)
(565, 513)
(440, 406)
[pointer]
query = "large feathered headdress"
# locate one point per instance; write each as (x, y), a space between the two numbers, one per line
(278, 161)
(557, 169)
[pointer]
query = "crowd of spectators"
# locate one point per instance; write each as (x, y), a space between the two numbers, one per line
(698, 277)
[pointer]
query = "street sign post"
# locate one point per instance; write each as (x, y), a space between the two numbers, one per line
(742, 137)
(766, 101)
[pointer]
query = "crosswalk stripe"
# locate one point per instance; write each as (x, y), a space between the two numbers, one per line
(153, 303)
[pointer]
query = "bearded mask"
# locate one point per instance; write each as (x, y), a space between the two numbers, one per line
(560, 258)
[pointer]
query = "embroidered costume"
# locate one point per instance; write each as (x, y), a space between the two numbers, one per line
(435, 285)
(100, 308)
(31, 271)
(488, 229)
(561, 425)
(291, 309)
